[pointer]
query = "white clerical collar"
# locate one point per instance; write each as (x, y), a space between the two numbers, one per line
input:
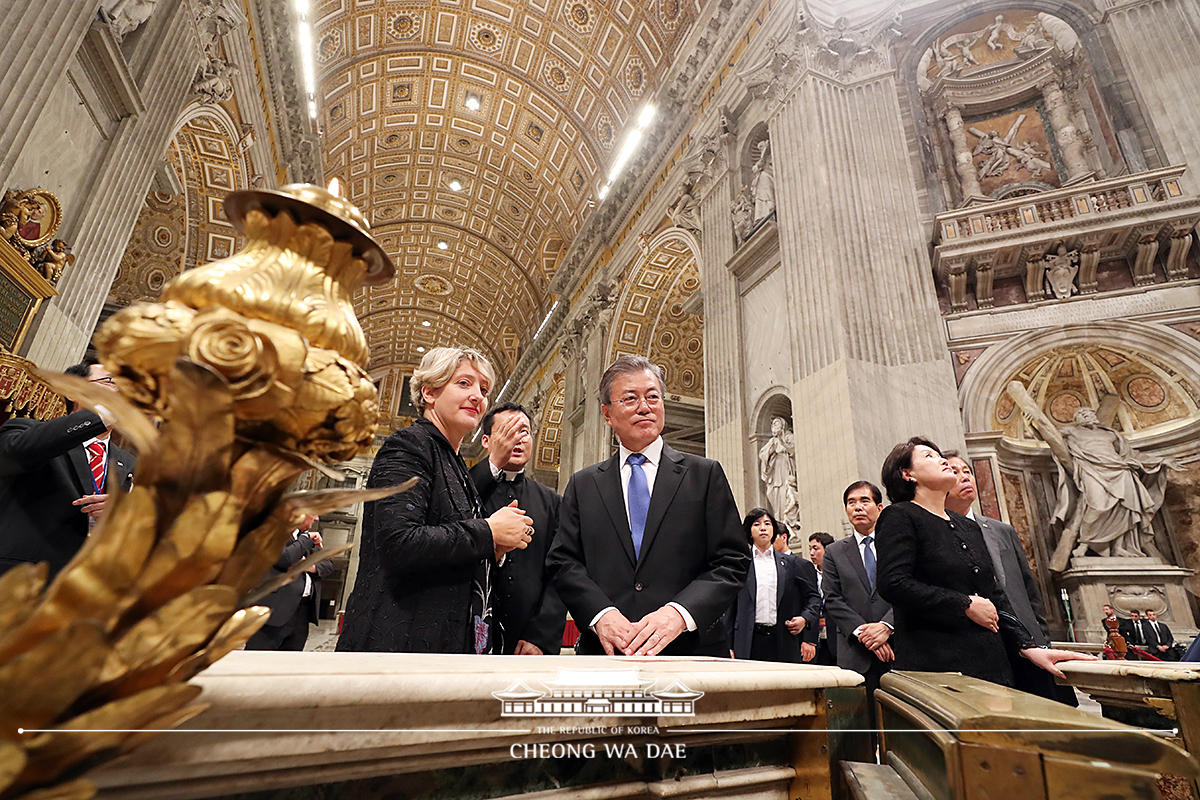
(652, 452)
(509, 476)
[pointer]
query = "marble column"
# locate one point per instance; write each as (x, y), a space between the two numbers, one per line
(869, 352)
(102, 229)
(37, 41)
(963, 162)
(725, 425)
(1070, 143)
(1164, 72)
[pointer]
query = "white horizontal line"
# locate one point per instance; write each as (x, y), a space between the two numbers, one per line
(678, 731)
(265, 730)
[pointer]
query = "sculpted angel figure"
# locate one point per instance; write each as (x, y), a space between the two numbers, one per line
(743, 214)
(54, 259)
(1108, 493)
(685, 212)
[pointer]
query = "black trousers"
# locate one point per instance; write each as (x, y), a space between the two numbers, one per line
(292, 635)
(764, 646)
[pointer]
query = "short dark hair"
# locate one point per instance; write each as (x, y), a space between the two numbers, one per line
(821, 536)
(490, 416)
(754, 516)
(900, 459)
(875, 493)
(626, 364)
(83, 368)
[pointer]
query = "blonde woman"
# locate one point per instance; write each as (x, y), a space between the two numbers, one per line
(426, 556)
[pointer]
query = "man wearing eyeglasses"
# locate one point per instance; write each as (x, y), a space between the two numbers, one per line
(55, 480)
(649, 551)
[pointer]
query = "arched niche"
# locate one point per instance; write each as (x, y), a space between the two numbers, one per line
(1007, 92)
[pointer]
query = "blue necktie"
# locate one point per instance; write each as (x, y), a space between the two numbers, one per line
(639, 500)
(869, 561)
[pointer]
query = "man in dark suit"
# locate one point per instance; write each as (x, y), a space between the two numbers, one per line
(55, 480)
(297, 605)
(649, 553)
(1015, 577)
(827, 639)
(530, 614)
(775, 615)
(852, 602)
(1161, 640)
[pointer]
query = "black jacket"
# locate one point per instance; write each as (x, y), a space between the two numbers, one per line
(527, 607)
(796, 595)
(285, 601)
(43, 470)
(419, 553)
(928, 567)
(693, 552)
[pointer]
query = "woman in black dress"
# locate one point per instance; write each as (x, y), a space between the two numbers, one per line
(951, 614)
(426, 556)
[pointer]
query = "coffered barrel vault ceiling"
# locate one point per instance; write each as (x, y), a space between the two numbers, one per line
(558, 83)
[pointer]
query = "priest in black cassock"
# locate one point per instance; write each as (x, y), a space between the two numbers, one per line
(529, 613)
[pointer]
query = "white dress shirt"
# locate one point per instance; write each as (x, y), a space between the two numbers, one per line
(308, 584)
(653, 454)
(766, 582)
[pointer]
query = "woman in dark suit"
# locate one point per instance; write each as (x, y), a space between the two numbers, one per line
(951, 614)
(426, 557)
(780, 588)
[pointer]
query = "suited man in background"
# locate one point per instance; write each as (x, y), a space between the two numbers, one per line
(827, 638)
(530, 614)
(852, 602)
(1015, 577)
(55, 480)
(775, 615)
(649, 553)
(297, 605)
(1161, 640)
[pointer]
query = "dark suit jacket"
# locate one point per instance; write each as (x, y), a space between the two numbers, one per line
(850, 602)
(796, 595)
(928, 568)
(1012, 569)
(43, 469)
(527, 606)
(1164, 636)
(285, 602)
(693, 551)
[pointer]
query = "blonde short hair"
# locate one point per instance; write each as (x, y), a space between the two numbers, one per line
(438, 367)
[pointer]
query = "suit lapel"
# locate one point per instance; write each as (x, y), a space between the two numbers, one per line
(116, 470)
(608, 482)
(856, 559)
(79, 466)
(666, 483)
(779, 579)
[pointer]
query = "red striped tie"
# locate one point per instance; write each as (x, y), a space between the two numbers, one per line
(96, 462)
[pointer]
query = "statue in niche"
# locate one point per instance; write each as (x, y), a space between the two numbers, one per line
(743, 216)
(762, 187)
(685, 212)
(777, 468)
(1108, 493)
(1061, 268)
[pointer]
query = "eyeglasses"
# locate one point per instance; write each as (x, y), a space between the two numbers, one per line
(633, 401)
(106, 381)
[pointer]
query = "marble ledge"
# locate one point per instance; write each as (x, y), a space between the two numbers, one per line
(290, 719)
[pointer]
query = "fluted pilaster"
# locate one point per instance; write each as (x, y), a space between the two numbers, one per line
(869, 354)
(1164, 74)
(37, 41)
(115, 198)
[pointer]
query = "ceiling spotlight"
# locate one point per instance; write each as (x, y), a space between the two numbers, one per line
(425, 323)
(420, 349)
(473, 101)
(442, 245)
(455, 185)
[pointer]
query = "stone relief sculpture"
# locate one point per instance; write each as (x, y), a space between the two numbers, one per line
(126, 16)
(214, 82)
(777, 468)
(1061, 268)
(762, 187)
(743, 216)
(685, 212)
(1108, 493)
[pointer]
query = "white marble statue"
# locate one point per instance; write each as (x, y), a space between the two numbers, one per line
(777, 468)
(743, 216)
(763, 184)
(1061, 268)
(685, 212)
(1108, 493)
(128, 15)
